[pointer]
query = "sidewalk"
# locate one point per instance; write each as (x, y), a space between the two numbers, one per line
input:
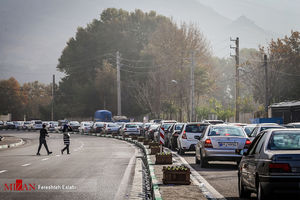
(170, 192)
(10, 141)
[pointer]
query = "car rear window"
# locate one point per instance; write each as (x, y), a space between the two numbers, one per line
(195, 128)
(131, 126)
(100, 125)
(284, 140)
(226, 131)
(38, 122)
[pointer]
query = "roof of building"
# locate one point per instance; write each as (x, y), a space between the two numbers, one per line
(285, 104)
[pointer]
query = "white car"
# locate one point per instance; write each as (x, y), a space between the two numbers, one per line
(36, 125)
(189, 136)
(130, 129)
(85, 127)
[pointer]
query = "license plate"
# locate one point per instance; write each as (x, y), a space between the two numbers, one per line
(227, 144)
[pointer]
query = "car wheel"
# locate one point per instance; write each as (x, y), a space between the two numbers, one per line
(196, 160)
(181, 151)
(203, 161)
(243, 193)
(260, 193)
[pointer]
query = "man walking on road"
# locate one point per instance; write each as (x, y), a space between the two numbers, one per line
(66, 139)
(43, 134)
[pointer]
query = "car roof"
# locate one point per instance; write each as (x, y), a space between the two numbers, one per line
(201, 123)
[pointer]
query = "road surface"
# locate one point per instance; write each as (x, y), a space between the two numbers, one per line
(95, 169)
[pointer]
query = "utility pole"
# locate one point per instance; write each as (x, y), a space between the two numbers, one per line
(237, 78)
(266, 85)
(52, 102)
(192, 103)
(119, 84)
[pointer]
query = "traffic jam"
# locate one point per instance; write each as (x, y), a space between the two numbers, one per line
(266, 156)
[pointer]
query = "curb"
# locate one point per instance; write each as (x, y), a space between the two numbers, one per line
(6, 146)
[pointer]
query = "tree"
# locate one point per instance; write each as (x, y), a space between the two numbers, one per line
(94, 48)
(12, 98)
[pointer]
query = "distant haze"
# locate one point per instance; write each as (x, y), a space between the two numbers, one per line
(34, 32)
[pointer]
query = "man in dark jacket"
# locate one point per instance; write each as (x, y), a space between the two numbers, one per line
(43, 135)
(66, 138)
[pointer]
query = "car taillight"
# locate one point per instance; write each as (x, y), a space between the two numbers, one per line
(184, 135)
(279, 167)
(125, 129)
(247, 144)
(207, 143)
(108, 129)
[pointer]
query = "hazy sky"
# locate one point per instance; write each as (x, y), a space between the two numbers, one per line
(275, 15)
(33, 33)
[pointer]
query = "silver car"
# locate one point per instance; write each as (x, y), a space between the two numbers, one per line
(221, 143)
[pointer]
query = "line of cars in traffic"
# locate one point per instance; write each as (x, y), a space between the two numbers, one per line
(267, 155)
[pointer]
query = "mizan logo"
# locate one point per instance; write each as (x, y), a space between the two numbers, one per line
(18, 186)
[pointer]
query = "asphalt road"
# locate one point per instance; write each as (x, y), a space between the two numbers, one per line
(95, 169)
(221, 175)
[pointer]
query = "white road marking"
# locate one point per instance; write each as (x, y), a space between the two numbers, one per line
(2, 171)
(26, 165)
(208, 190)
(57, 155)
(45, 159)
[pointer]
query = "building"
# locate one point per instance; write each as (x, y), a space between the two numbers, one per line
(288, 111)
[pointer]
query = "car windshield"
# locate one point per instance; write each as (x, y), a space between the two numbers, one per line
(112, 125)
(38, 122)
(74, 123)
(195, 128)
(284, 140)
(226, 131)
(100, 125)
(131, 126)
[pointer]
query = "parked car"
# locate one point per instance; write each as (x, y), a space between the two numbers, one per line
(249, 128)
(18, 125)
(146, 128)
(130, 129)
(1, 125)
(85, 127)
(98, 127)
(172, 135)
(271, 165)
(52, 126)
(293, 125)
(74, 126)
(213, 121)
(150, 132)
(61, 124)
(262, 127)
(189, 136)
(9, 125)
(166, 124)
(141, 127)
(35, 125)
(26, 125)
(110, 128)
(221, 143)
